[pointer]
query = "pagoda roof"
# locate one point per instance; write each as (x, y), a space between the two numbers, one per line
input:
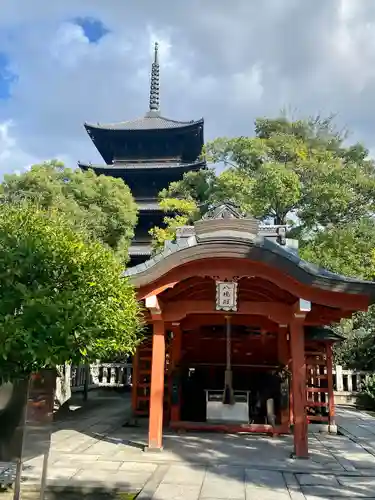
(142, 166)
(151, 121)
(148, 206)
(230, 235)
(112, 139)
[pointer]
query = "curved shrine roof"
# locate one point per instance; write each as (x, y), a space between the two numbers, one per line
(232, 236)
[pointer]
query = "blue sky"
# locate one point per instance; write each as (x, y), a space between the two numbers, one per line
(7, 77)
(66, 62)
(93, 29)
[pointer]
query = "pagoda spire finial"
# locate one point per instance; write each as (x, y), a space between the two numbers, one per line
(154, 85)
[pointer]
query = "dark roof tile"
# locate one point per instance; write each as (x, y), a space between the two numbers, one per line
(143, 166)
(151, 121)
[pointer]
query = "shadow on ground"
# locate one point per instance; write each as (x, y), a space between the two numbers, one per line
(75, 493)
(91, 447)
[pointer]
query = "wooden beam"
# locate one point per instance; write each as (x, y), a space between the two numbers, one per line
(152, 303)
(177, 310)
(191, 285)
(155, 431)
(160, 290)
(301, 308)
(193, 322)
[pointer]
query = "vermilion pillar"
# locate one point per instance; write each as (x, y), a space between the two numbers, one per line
(297, 349)
(283, 355)
(176, 357)
(331, 396)
(155, 432)
(135, 380)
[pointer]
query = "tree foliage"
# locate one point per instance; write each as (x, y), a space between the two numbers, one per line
(62, 297)
(101, 205)
(349, 250)
(345, 249)
(187, 200)
(357, 351)
(301, 169)
(290, 171)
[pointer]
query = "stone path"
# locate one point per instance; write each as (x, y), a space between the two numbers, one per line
(95, 451)
(358, 426)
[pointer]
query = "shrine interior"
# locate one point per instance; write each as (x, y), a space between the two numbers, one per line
(254, 366)
(232, 370)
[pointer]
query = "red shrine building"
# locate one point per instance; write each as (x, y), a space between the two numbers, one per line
(237, 338)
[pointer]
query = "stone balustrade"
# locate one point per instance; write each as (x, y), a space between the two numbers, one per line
(347, 384)
(73, 378)
(101, 375)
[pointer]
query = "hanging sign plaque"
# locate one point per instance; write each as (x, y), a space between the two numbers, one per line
(226, 296)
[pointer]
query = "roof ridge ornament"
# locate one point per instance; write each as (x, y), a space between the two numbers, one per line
(224, 210)
(155, 82)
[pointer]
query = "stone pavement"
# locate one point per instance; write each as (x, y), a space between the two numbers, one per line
(93, 451)
(358, 426)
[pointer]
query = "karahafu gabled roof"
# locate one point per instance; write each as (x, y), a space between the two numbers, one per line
(233, 237)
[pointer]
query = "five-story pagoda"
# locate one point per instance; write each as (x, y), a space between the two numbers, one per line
(148, 153)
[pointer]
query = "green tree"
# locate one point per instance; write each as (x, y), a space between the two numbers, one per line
(62, 297)
(357, 351)
(349, 250)
(233, 185)
(102, 205)
(316, 131)
(345, 249)
(297, 171)
(276, 192)
(302, 170)
(190, 195)
(187, 200)
(334, 191)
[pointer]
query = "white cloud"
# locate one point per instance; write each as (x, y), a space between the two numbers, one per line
(70, 45)
(227, 61)
(12, 157)
(247, 85)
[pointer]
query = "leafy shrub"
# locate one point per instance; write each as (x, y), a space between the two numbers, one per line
(366, 398)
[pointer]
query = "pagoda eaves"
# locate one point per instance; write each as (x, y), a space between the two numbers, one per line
(148, 139)
(151, 121)
(122, 166)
